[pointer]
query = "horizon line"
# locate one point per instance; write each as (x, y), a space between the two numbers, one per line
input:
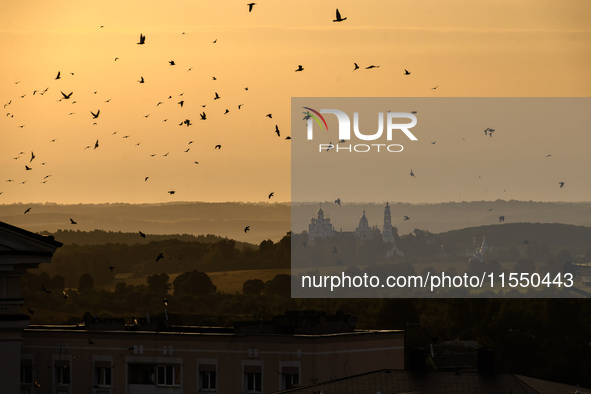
(263, 202)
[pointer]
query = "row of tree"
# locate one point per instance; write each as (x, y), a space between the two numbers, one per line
(105, 261)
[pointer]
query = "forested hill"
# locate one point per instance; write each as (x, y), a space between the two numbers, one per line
(513, 234)
(98, 237)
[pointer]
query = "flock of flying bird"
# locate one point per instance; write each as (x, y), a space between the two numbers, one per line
(187, 122)
(95, 114)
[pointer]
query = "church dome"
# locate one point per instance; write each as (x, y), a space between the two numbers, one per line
(363, 220)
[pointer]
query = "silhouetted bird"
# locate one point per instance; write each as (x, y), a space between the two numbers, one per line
(142, 235)
(288, 138)
(111, 268)
(96, 144)
(27, 168)
(159, 257)
(28, 210)
(412, 174)
(142, 81)
(338, 202)
(181, 103)
(218, 147)
(31, 312)
(246, 229)
(501, 219)
(171, 192)
(270, 116)
(406, 218)
(271, 195)
(300, 68)
(339, 19)
(142, 39)
(203, 116)
(72, 221)
(227, 110)
(58, 75)
(94, 116)
(356, 66)
(277, 131)
(406, 72)
(171, 62)
(561, 184)
(372, 66)
(66, 96)
(435, 87)
(216, 96)
(250, 5)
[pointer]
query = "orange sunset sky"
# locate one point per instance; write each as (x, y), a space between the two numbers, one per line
(465, 48)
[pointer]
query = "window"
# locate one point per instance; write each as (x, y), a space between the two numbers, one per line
(26, 373)
(288, 380)
(253, 378)
(62, 372)
(290, 376)
(141, 374)
(207, 380)
(253, 382)
(207, 376)
(168, 375)
(102, 374)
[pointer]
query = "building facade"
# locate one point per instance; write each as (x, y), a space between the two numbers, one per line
(73, 359)
(19, 250)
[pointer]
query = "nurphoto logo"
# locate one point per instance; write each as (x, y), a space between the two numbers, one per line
(344, 132)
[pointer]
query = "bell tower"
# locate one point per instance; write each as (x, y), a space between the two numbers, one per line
(387, 235)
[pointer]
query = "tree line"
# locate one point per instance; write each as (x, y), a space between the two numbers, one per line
(105, 261)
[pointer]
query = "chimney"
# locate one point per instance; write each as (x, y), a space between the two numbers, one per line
(486, 360)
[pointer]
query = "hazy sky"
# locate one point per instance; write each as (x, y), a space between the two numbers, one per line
(483, 49)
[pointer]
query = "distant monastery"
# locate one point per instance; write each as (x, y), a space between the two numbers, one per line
(321, 228)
